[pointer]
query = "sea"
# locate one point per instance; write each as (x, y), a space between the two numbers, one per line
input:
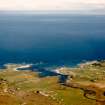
(51, 40)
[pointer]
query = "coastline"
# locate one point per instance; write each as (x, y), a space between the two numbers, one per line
(81, 76)
(55, 68)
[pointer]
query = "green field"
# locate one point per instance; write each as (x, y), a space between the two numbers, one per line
(27, 88)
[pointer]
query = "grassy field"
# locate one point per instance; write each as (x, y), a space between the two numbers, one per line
(27, 88)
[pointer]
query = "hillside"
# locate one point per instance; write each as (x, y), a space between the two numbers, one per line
(24, 87)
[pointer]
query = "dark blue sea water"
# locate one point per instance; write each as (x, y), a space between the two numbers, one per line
(51, 39)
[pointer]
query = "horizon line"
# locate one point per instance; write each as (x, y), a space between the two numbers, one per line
(50, 12)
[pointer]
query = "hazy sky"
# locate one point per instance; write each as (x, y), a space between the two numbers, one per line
(72, 5)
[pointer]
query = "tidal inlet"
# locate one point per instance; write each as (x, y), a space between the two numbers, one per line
(52, 52)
